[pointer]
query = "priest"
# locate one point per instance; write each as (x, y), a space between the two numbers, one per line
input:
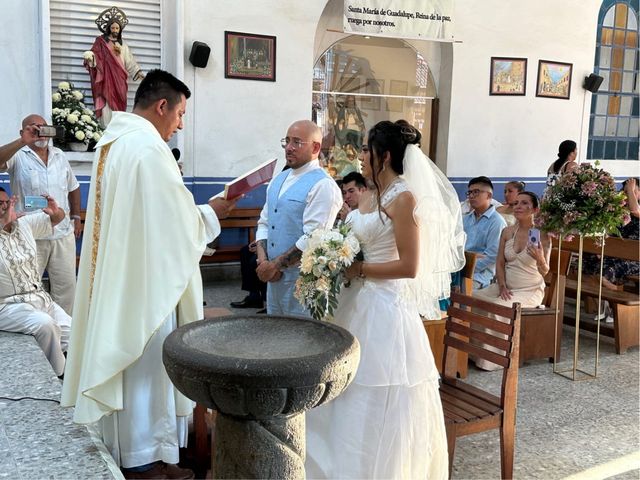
(139, 277)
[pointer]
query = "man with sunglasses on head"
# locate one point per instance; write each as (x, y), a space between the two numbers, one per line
(483, 226)
(299, 200)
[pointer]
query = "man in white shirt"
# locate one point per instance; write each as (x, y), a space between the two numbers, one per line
(37, 168)
(299, 200)
(24, 306)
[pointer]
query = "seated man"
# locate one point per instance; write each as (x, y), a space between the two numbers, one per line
(483, 226)
(353, 186)
(24, 306)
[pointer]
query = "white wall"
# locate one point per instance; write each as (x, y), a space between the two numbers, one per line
(519, 135)
(233, 125)
(22, 65)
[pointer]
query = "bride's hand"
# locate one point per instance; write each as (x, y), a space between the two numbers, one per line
(352, 271)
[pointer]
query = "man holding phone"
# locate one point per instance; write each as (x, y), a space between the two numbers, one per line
(24, 306)
(37, 168)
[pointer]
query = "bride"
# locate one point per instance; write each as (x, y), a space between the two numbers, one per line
(389, 422)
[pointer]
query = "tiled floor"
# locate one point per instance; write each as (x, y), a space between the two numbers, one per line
(563, 427)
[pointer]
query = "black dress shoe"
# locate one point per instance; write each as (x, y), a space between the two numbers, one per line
(247, 303)
(263, 311)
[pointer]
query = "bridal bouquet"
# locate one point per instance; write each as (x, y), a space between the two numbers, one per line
(329, 252)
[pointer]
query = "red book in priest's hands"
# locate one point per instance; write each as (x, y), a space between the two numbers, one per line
(250, 180)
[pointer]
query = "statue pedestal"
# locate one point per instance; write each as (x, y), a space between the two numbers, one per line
(261, 374)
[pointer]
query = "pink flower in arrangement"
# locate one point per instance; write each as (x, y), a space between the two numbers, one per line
(626, 218)
(568, 238)
(570, 217)
(589, 188)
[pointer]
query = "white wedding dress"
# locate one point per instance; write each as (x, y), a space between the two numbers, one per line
(389, 421)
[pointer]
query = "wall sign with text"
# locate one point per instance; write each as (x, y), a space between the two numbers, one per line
(422, 19)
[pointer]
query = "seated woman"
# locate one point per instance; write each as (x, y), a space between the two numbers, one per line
(520, 264)
(615, 270)
(511, 191)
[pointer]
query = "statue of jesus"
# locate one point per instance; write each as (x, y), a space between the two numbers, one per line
(110, 64)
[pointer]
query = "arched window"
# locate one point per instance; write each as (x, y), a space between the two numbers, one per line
(613, 126)
(360, 81)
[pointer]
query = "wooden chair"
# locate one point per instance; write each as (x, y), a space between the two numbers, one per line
(468, 409)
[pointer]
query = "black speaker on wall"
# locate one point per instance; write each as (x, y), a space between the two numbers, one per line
(592, 82)
(199, 54)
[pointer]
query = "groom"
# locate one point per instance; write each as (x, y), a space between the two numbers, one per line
(299, 200)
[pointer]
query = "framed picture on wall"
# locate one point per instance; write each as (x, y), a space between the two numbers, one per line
(508, 76)
(554, 79)
(397, 87)
(249, 56)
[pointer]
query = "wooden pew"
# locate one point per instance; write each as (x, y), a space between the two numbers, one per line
(435, 328)
(625, 304)
(242, 218)
(239, 218)
(538, 329)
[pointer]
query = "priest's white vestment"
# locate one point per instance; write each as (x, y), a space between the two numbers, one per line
(139, 271)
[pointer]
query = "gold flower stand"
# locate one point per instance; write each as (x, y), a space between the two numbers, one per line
(575, 373)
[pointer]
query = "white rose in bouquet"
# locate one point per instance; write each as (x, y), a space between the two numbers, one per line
(56, 97)
(64, 86)
(72, 119)
(77, 95)
(80, 135)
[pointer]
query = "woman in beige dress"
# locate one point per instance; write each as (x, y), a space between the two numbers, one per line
(520, 265)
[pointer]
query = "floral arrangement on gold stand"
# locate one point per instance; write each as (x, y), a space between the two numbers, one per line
(585, 203)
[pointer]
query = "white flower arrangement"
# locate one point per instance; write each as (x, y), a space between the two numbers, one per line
(79, 122)
(327, 254)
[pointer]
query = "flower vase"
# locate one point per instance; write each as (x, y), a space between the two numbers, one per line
(78, 146)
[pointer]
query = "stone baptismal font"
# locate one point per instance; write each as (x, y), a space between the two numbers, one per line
(260, 374)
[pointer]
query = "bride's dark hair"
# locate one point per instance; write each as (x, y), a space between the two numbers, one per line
(392, 137)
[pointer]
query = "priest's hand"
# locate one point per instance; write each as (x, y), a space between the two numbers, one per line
(222, 207)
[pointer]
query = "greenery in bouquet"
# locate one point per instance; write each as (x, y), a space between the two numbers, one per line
(79, 122)
(583, 201)
(328, 253)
